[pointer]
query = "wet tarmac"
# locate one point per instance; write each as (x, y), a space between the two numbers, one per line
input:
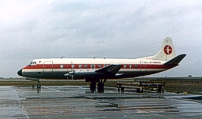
(78, 102)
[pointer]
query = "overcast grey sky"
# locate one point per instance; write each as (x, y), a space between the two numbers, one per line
(32, 29)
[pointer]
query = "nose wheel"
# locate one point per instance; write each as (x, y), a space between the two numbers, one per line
(38, 85)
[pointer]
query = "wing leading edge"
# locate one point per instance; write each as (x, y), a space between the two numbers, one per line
(111, 69)
(108, 71)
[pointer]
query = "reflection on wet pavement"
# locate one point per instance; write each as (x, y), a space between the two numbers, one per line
(77, 102)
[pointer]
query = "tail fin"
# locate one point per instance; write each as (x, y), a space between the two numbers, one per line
(167, 51)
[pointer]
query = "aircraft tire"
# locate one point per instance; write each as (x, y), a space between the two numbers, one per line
(38, 85)
(100, 87)
(92, 86)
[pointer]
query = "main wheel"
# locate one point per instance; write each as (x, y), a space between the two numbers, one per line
(100, 87)
(92, 86)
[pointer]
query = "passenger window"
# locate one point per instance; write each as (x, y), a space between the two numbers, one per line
(136, 66)
(130, 66)
(85, 66)
(99, 66)
(80, 66)
(124, 66)
(72, 66)
(61, 66)
(92, 66)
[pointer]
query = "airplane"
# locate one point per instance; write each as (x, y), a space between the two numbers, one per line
(98, 70)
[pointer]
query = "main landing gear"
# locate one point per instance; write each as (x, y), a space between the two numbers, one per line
(100, 86)
(92, 86)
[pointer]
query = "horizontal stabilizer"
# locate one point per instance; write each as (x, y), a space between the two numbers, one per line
(175, 60)
(112, 69)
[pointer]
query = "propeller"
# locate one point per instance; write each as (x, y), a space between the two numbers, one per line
(72, 74)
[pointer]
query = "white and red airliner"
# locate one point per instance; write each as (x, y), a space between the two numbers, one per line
(100, 69)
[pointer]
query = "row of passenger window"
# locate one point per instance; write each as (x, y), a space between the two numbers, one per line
(100, 66)
(92, 66)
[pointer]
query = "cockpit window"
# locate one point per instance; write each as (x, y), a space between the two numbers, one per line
(32, 63)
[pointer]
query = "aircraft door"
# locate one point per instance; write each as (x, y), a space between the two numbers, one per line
(48, 66)
(142, 66)
(72, 66)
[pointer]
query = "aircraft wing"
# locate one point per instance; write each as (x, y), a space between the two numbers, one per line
(111, 69)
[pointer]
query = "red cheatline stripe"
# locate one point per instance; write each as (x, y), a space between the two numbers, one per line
(65, 70)
(82, 66)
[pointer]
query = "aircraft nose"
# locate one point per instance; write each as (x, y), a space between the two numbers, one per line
(20, 72)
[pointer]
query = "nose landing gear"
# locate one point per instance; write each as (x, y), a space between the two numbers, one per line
(38, 85)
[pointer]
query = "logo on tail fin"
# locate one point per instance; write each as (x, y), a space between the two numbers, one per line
(168, 49)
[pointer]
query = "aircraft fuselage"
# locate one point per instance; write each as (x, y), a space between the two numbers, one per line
(83, 68)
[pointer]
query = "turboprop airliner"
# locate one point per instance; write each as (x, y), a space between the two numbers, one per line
(98, 70)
